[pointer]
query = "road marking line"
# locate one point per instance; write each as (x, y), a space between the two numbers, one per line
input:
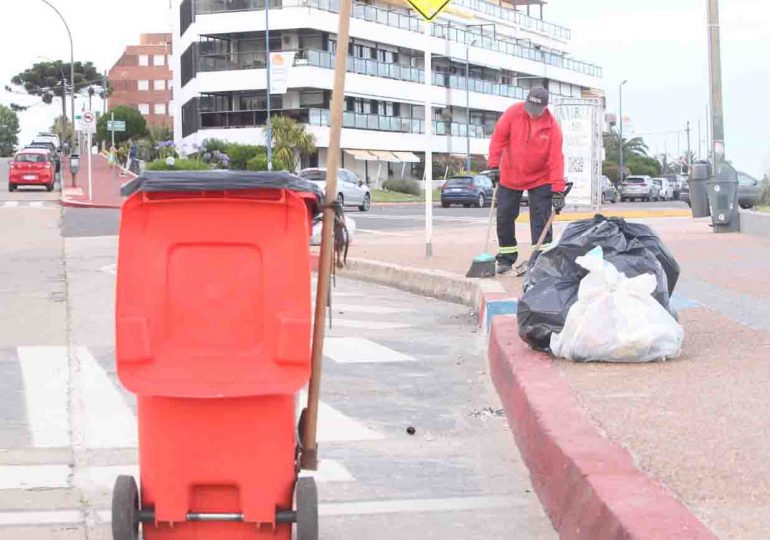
(370, 309)
(334, 426)
(330, 470)
(110, 269)
(352, 350)
(385, 233)
(102, 477)
(338, 322)
(11, 204)
(59, 517)
(45, 374)
(415, 506)
(37, 204)
(108, 421)
(34, 476)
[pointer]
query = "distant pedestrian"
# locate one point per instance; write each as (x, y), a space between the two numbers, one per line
(112, 158)
(131, 157)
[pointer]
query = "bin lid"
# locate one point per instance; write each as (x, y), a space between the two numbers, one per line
(218, 180)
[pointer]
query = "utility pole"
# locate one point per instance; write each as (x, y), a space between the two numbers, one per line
(268, 124)
(689, 158)
(715, 84)
(700, 148)
(621, 130)
(428, 140)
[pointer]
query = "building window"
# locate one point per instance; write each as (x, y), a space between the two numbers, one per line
(190, 119)
(142, 85)
(144, 60)
(159, 60)
(144, 108)
(160, 108)
(188, 64)
(159, 84)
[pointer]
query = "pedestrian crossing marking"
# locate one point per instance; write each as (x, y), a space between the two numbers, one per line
(34, 476)
(27, 204)
(330, 470)
(352, 350)
(367, 309)
(108, 421)
(102, 478)
(45, 372)
(339, 322)
(11, 204)
(56, 517)
(334, 426)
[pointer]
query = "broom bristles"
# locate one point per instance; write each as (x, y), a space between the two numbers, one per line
(482, 266)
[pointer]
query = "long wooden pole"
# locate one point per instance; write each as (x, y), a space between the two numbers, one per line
(309, 458)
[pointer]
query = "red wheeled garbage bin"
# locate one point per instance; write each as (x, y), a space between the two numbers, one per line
(213, 329)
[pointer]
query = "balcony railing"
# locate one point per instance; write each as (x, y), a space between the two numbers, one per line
(478, 85)
(413, 24)
(350, 120)
(518, 18)
(362, 66)
(224, 61)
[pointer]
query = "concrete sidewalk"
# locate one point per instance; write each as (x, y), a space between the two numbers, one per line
(106, 182)
(701, 424)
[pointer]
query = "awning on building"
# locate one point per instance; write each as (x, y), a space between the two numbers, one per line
(362, 155)
(384, 155)
(407, 157)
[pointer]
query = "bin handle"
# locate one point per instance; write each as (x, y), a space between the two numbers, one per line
(205, 196)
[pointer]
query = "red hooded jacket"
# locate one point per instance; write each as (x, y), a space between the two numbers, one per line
(527, 150)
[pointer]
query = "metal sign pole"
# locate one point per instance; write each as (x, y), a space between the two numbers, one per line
(428, 142)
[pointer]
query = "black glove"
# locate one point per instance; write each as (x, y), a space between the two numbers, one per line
(558, 202)
(494, 175)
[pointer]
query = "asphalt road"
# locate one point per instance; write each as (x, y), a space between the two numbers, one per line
(67, 426)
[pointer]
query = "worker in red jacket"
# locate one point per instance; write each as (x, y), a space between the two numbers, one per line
(526, 149)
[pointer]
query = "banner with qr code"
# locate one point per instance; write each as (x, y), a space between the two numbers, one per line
(579, 121)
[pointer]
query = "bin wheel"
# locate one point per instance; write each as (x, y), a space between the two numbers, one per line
(307, 509)
(125, 509)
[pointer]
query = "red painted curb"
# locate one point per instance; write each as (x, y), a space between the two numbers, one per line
(78, 204)
(589, 485)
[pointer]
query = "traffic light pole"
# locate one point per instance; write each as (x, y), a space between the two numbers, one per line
(715, 84)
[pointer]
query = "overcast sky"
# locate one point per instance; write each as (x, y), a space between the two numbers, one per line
(658, 45)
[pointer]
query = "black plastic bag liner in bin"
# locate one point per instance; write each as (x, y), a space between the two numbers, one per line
(221, 180)
(551, 286)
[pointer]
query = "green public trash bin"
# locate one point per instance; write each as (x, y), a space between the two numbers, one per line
(723, 200)
(700, 172)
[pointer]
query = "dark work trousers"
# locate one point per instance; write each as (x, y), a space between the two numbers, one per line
(508, 204)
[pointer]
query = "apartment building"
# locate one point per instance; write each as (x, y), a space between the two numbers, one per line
(220, 76)
(142, 79)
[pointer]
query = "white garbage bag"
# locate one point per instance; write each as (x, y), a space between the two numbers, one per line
(616, 319)
(315, 239)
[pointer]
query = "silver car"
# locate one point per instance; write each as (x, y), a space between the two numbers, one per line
(350, 190)
(639, 187)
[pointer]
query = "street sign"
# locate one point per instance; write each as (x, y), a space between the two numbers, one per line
(429, 9)
(116, 125)
(88, 122)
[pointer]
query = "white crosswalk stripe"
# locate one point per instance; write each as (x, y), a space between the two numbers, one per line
(28, 204)
(353, 350)
(45, 374)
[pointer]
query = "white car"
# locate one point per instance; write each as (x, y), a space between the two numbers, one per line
(350, 190)
(48, 138)
(666, 187)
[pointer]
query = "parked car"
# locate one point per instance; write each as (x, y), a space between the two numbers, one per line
(684, 194)
(32, 167)
(748, 190)
(677, 182)
(665, 187)
(52, 149)
(48, 138)
(467, 190)
(609, 191)
(350, 190)
(639, 187)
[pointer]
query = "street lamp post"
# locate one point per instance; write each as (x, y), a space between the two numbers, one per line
(72, 73)
(468, 105)
(715, 84)
(620, 143)
(268, 123)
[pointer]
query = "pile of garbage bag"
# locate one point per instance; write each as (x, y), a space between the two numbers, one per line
(616, 319)
(552, 284)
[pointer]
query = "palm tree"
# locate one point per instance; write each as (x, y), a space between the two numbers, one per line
(631, 147)
(62, 127)
(290, 141)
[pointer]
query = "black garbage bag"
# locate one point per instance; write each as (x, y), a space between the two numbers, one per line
(551, 286)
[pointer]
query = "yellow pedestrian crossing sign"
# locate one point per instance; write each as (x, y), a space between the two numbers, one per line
(429, 9)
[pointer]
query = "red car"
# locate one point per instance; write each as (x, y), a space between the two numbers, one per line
(32, 167)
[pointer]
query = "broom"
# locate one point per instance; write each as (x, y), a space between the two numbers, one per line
(484, 265)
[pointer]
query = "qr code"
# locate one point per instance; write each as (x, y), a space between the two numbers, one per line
(576, 165)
